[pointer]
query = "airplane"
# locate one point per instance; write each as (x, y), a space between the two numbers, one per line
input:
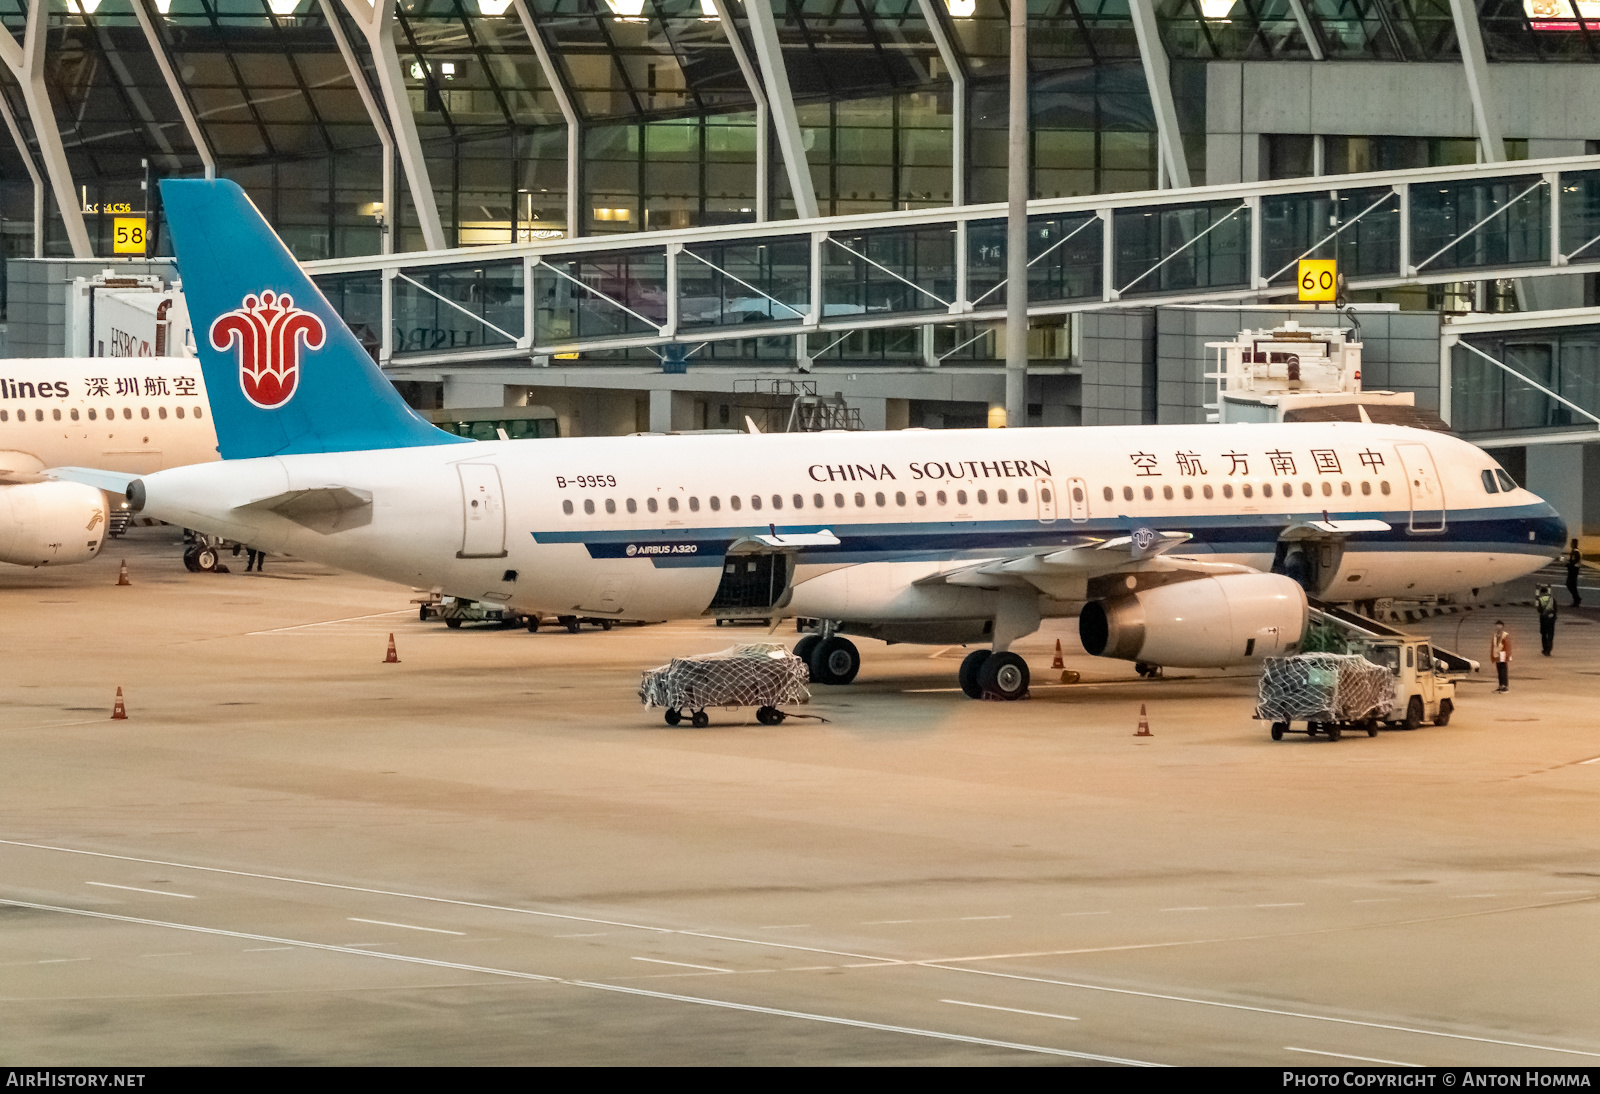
(1178, 546)
(129, 414)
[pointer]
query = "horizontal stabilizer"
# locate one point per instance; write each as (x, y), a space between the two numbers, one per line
(112, 482)
(323, 509)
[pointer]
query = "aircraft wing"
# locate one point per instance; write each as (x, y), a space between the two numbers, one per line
(112, 482)
(1065, 573)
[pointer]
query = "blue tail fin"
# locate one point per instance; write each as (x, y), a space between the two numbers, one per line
(283, 371)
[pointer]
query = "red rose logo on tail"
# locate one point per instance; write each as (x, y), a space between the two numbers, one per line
(270, 331)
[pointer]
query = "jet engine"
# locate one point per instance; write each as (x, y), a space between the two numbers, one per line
(1205, 622)
(53, 523)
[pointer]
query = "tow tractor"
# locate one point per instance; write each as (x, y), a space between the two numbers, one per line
(1422, 676)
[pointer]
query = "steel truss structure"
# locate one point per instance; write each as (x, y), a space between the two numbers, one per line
(921, 268)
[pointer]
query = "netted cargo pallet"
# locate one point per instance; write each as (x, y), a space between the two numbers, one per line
(1323, 690)
(760, 674)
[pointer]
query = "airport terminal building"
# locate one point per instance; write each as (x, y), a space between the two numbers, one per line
(591, 205)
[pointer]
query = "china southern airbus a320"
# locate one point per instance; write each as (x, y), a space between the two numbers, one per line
(1173, 545)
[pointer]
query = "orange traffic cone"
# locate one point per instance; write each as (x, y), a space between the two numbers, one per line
(392, 658)
(122, 575)
(1058, 663)
(1144, 724)
(119, 713)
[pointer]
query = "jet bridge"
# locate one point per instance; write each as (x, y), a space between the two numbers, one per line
(811, 282)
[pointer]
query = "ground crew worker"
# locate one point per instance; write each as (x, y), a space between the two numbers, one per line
(1500, 653)
(1546, 604)
(1574, 564)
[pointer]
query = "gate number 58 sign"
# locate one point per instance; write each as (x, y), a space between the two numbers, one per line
(1318, 279)
(129, 237)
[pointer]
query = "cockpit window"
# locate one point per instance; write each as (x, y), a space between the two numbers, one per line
(1506, 482)
(1490, 483)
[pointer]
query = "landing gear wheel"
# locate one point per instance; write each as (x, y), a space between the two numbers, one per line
(835, 661)
(1414, 713)
(971, 666)
(700, 719)
(770, 716)
(605, 624)
(1004, 676)
(1144, 668)
(803, 648)
(1446, 708)
(205, 560)
(453, 624)
(533, 624)
(1278, 730)
(189, 562)
(422, 612)
(673, 716)
(570, 622)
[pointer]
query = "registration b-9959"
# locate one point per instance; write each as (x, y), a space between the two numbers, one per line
(564, 481)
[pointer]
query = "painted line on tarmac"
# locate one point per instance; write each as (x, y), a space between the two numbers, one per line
(1009, 1010)
(434, 899)
(329, 622)
(1346, 1056)
(948, 964)
(1257, 1010)
(594, 985)
(682, 964)
(403, 926)
(858, 1024)
(134, 889)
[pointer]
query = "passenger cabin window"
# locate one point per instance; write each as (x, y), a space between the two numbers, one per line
(777, 501)
(1207, 491)
(1383, 487)
(197, 413)
(144, 412)
(899, 497)
(1127, 493)
(1109, 493)
(983, 497)
(1344, 488)
(1266, 490)
(178, 412)
(1227, 490)
(633, 506)
(961, 497)
(566, 507)
(861, 501)
(611, 506)
(941, 498)
(588, 506)
(92, 414)
(716, 503)
(838, 501)
(672, 505)
(922, 498)
(1000, 496)
(56, 413)
(1245, 490)
(5, 415)
(1366, 488)
(694, 504)
(1166, 492)
(1188, 493)
(38, 415)
(161, 412)
(1022, 496)
(127, 412)
(74, 413)
(650, 504)
(1149, 494)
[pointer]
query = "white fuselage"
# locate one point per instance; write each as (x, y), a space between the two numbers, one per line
(641, 527)
(132, 414)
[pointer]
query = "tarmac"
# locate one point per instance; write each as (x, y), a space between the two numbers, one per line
(490, 853)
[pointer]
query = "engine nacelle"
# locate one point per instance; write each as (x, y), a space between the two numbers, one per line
(54, 523)
(1207, 622)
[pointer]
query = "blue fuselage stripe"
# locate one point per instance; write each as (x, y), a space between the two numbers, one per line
(1521, 530)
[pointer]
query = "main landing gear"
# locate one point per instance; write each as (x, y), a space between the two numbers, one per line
(831, 659)
(984, 674)
(988, 675)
